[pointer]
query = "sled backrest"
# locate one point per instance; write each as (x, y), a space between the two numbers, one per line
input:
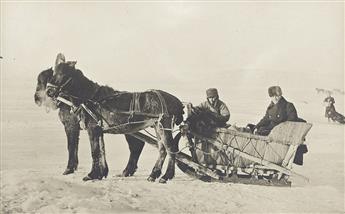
(292, 133)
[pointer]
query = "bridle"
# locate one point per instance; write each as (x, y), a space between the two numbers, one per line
(56, 89)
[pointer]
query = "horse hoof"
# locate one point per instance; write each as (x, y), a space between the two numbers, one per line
(151, 179)
(162, 181)
(129, 171)
(68, 171)
(87, 178)
(125, 173)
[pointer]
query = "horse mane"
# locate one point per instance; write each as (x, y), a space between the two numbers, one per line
(45, 75)
(202, 122)
(107, 90)
(87, 87)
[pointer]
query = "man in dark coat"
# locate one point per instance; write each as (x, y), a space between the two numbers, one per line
(278, 111)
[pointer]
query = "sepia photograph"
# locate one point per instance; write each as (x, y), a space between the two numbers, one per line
(172, 107)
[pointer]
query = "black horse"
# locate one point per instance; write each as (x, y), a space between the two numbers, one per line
(70, 120)
(118, 112)
(203, 122)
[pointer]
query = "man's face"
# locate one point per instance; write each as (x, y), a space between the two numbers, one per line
(212, 100)
(275, 99)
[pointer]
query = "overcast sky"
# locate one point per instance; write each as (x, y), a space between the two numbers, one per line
(179, 47)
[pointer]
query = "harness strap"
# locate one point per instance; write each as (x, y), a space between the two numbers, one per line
(134, 109)
(67, 81)
(90, 113)
(115, 129)
(137, 113)
(162, 102)
(135, 104)
(67, 102)
(49, 85)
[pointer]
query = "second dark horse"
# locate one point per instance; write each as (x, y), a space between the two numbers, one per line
(72, 128)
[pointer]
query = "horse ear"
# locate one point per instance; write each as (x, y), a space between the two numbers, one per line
(50, 71)
(59, 59)
(71, 63)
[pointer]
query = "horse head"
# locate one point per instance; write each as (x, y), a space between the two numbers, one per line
(40, 95)
(65, 79)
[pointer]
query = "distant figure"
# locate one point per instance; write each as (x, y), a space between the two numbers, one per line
(337, 90)
(215, 107)
(331, 113)
(320, 90)
(278, 111)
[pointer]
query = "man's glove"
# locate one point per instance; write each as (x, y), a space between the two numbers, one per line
(251, 127)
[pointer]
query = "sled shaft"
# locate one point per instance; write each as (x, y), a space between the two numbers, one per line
(181, 157)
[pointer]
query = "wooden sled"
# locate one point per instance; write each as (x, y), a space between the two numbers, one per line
(237, 157)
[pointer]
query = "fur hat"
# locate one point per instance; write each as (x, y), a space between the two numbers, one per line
(211, 92)
(274, 91)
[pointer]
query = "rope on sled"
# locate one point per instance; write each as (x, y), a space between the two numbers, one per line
(117, 127)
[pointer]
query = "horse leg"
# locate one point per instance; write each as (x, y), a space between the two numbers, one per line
(157, 169)
(72, 134)
(171, 147)
(99, 164)
(135, 147)
(72, 130)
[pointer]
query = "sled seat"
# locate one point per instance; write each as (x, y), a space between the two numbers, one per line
(291, 133)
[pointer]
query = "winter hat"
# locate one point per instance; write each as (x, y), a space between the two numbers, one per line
(274, 91)
(211, 92)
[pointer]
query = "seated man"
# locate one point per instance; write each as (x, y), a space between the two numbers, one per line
(278, 111)
(203, 119)
(215, 107)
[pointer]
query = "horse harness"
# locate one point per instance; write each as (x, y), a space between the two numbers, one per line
(134, 109)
